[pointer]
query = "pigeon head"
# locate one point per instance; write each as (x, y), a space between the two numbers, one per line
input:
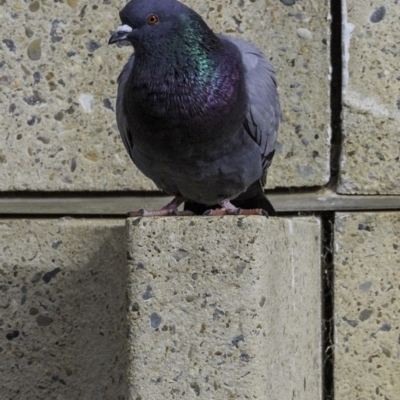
(152, 21)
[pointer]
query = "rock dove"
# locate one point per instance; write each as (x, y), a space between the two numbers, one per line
(198, 112)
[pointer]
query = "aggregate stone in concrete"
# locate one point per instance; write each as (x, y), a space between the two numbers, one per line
(58, 89)
(367, 295)
(371, 149)
(224, 308)
(62, 309)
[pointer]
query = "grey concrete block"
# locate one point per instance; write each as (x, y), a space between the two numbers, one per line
(62, 309)
(224, 308)
(58, 87)
(371, 147)
(367, 319)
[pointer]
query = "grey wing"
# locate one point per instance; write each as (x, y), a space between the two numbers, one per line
(122, 121)
(263, 114)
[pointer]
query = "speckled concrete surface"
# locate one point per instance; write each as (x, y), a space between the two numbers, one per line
(224, 308)
(62, 309)
(371, 150)
(58, 87)
(367, 282)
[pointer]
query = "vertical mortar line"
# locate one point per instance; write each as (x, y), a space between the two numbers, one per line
(336, 90)
(328, 339)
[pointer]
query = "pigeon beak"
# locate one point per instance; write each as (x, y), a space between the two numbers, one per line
(120, 34)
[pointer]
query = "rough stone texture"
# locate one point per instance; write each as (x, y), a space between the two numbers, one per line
(62, 309)
(224, 308)
(370, 157)
(59, 130)
(367, 318)
(58, 86)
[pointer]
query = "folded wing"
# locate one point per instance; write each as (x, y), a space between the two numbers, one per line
(122, 121)
(263, 114)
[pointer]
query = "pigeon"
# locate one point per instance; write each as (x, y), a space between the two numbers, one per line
(198, 112)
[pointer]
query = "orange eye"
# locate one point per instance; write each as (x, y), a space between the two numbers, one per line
(152, 19)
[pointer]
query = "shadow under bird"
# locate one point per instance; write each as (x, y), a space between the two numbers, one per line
(198, 112)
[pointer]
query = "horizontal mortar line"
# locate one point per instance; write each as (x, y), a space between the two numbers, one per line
(323, 200)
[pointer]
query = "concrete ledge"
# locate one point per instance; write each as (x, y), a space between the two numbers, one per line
(224, 308)
(118, 205)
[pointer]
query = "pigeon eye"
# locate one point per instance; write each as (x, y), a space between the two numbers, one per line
(152, 19)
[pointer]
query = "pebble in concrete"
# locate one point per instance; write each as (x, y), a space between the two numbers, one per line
(367, 293)
(234, 310)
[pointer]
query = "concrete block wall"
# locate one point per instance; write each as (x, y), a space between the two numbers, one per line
(78, 320)
(58, 89)
(186, 308)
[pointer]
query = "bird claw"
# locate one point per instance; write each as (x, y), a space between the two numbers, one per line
(222, 211)
(254, 211)
(170, 210)
(132, 214)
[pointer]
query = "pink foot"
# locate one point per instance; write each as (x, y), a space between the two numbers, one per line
(227, 208)
(171, 209)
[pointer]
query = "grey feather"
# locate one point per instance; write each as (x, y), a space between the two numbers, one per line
(263, 114)
(122, 122)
